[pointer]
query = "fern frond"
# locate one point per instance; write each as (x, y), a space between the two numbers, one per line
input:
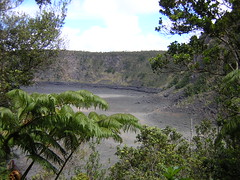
(94, 116)
(69, 97)
(80, 121)
(231, 126)
(8, 120)
(126, 122)
(46, 152)
(233, 76)
(48, 140)
(93, 100)
(19, 98)
(43, 162)
(25, 142)
(65, 114)
(70, 141)
(110, 123)
(44, 124)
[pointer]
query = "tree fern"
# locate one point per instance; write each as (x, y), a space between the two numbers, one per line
(93, 100)
(8, 119)
(44, 125)
(43, 161)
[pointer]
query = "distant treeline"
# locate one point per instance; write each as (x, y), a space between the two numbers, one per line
(117, 68)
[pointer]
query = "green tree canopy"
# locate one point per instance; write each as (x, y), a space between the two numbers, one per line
(216, 50)
(216, 54)
(159, 150)
(27, 42)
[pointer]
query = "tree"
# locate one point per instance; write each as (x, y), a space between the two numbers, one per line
(219, 44)
(216, 53)
(47, 129)
(164, 153)
(27, 43)
(159, 150)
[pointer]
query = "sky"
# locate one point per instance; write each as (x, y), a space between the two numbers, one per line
(112, 25)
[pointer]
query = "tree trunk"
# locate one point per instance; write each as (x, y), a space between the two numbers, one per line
(64, 164)
(27, 170)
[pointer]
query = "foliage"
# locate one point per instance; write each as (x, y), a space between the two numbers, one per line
(81, 176)
(173, 82)
(171, 172)
(163, 153)
(219, 161)
(216, 54)
(229, 102)
(198, 86)
(47, 129)
(183, 82)
(4, 172)
(159, 149)
(216, 51)
(46, 175)
(27, 42)
(93, 169)
(114, 68)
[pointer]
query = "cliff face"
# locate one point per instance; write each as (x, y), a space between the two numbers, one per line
(120, 68)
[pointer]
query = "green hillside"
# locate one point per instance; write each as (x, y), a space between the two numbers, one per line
(121, 68)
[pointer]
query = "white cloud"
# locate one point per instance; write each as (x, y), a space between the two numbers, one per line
(121, 30)
(79, 9)
(106, 39)
(115, 25)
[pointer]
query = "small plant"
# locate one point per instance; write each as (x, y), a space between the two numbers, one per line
(80, 176)
(197, 87)
(172, 172)
(183, 82)
(173, 82)
(3, 171)
(93, 167)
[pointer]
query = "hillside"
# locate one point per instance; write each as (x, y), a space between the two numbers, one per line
(118, 68)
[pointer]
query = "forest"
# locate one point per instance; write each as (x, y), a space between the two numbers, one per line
(48, 130)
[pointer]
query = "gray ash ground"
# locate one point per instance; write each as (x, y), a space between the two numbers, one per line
(152, 107)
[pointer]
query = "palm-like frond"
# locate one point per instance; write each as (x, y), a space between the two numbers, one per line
(231, 127)
(110, 133)
(233, 76)
(230, 104)
(42, 161)
(69, 97)
(70, 140)
(125, 122)
(92, 100)
(110, 126)
(47, 140)
(44, 124)
(48, 153)
(19, 98)
(66, 112)
(26, 142)
(8, 119)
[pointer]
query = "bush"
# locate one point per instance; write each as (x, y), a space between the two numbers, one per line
(183, 82)
(197, 87)
(159, 149)
(173, 82)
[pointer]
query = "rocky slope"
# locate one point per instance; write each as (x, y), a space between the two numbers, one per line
(118, 68)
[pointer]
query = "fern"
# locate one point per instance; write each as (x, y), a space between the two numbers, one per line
(43, 161)
(44, 125)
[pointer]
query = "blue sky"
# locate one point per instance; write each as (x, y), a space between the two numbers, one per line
(112, 25)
